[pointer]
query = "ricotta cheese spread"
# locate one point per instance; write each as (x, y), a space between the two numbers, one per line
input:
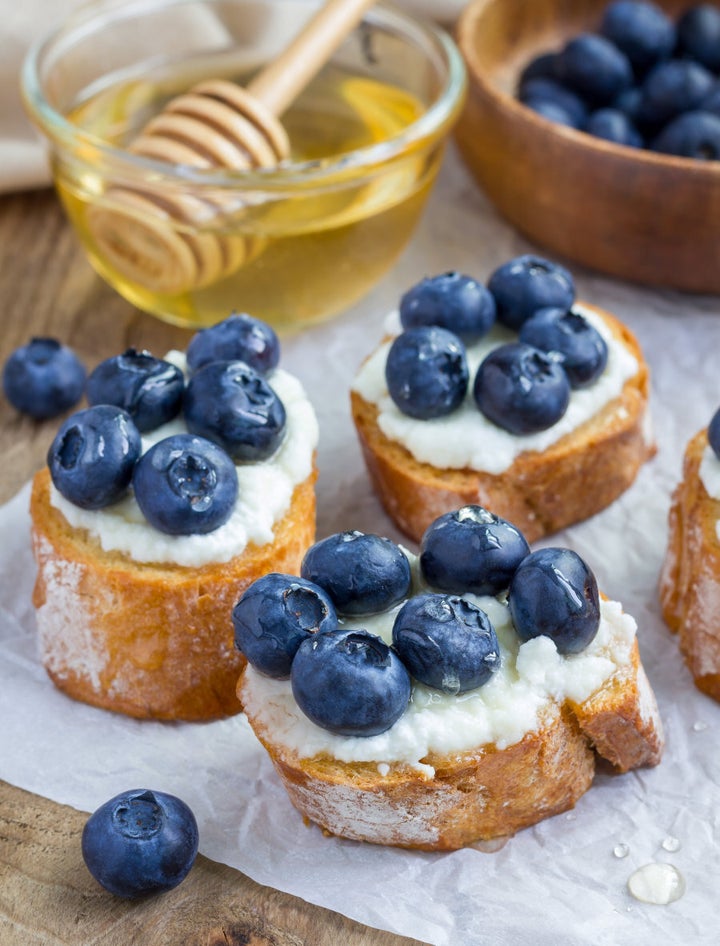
(264, 494)
(466, 439)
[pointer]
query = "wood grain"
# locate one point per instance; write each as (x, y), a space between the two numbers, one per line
(47, 897)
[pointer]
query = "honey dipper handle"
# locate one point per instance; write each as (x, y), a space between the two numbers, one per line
(281, 81)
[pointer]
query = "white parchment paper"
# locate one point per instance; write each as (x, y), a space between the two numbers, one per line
(559, 883)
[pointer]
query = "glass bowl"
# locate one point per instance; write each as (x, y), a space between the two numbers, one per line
(292, 244)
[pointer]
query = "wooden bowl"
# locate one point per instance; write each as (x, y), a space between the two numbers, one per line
(648, 218)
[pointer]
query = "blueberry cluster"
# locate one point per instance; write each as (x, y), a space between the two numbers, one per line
(522, 386)
(642, 80)
(350, 681)
(184, 484)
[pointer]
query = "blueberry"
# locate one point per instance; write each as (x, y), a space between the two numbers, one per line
(446, 643)
(611, 124)
(426, 372)
(239, 337)
(148, 388)
(528, 283)
(595, 68)
(628, 102)
(543, 66)
(580, 348)
(711, 102)
(545, 91)
(714, 433)
(691, 135)
(274, 616)
(362, 573)
(230, 403)
(350, 682)
(521, 389)
(43, 378)
(641, 30)
(458, 303)
(699, 35)
(140, 842)
(471, 550)
(93, 455)
(670, 88)
(554, 594)
(185, 485)
(552, 111)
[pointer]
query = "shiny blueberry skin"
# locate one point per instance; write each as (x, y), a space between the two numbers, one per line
(595, 68)
(582, 350)
(350, 682)
(671, 88)
(362, 573)
(140, 842)
(274, 616)
(43, 378)
(714, 433)
(239, 337)
(542, 92)
(528, 283)
(554, 594)
(521, 389)
(611, 124)
(471, 550)
(426, 372)
(231, 404)
(185, 485)
(148, 388)
(641, 30)
(699, 35)
(93, 455)
(692, 135)
(551, 111)
(452, 301)
(446, 643)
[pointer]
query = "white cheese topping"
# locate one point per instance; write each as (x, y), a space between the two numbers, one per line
(466, 438)
(264, 493)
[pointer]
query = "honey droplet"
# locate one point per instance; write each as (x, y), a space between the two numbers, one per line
(657, 883)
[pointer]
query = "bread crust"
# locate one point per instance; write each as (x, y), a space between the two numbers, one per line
(148, 640)
(541, 492)
(485, 793)
(690, 577)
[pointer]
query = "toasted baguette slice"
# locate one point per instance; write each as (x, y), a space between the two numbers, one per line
(541, 492)
(482, 794)
(690, 577)
(148, 640)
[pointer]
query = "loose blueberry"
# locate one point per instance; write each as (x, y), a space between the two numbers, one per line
(239, 337)
(426, 372)
(452, 301)
(148, 388)
(362, 573)
(542, 92)
(446, 643)
(699, 35)
(581, 349)
(350, 682)
(521, 389)
(672, 87)
(185, 485)
(274, 616)
(554, 594)
(140, 842)
(714, 433)
(611, 124)
(93, 455)
(471, 550)
(641, 30)
(43, 378)
(234, 406)
(595, 68)
(528, 283)
(692, 135)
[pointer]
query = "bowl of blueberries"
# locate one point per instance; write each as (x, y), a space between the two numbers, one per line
(593, 126)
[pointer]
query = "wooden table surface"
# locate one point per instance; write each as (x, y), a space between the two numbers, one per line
(47, 897)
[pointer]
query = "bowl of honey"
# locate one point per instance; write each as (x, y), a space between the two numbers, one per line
(292, 242)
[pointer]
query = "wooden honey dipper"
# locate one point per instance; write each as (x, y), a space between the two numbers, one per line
(149, 236)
